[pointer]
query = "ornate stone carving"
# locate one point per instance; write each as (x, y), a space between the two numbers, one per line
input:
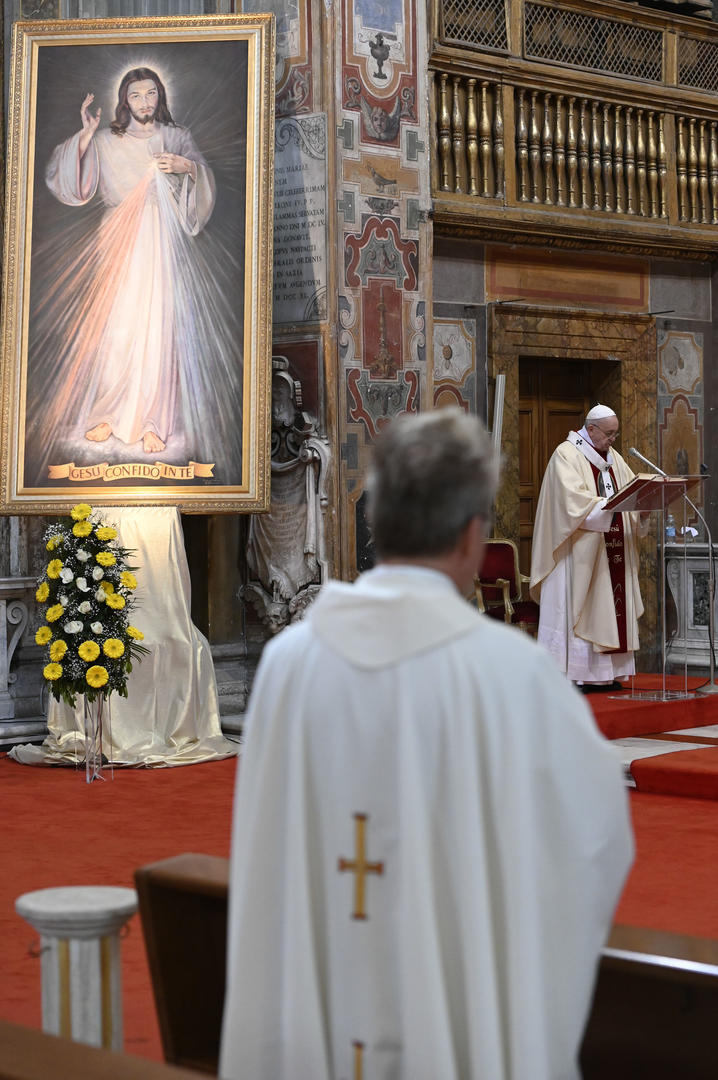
(13, 613)
(285, 550)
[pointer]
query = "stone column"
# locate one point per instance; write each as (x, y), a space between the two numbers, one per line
(81, 978)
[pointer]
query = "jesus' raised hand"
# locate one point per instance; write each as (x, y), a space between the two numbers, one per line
(90, 122)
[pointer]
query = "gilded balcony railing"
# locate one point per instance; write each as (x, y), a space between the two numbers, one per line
(551, 113)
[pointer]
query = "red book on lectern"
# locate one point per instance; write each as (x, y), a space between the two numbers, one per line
(648, 491)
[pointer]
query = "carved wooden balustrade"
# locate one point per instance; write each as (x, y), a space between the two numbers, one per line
(599, 123)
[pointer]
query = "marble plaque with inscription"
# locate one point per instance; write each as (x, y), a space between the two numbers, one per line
(300, 217)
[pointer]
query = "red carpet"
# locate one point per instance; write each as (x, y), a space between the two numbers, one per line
(620, 717)
(674, 881)
(60, 831)
(689, 772)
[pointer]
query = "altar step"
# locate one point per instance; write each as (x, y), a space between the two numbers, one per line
(667, 747)
(619, 716)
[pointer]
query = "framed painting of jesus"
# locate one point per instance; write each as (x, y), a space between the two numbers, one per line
(136, 336)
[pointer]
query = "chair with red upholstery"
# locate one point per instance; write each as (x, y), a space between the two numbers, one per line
(499, 587)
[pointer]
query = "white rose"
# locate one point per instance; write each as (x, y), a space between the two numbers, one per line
(64, 600)
(73, 627)
(96, 627)
(100, 594)
(82, 555)
(98, 573)
(82, 585)
(84, 607)
(66, 575)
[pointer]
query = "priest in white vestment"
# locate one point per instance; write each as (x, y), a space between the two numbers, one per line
(430, 834)
(584, 559)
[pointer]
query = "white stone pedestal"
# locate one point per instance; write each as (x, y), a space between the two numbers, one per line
(81, 978)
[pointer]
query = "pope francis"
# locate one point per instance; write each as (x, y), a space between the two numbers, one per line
(430, 834)
(584, 559)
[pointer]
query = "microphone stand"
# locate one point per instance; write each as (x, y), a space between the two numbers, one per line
(710, 687)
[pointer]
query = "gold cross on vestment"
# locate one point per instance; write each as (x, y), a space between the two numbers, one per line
(360, 867)
(358, 1054)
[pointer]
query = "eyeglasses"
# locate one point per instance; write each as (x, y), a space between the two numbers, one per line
(611, 435)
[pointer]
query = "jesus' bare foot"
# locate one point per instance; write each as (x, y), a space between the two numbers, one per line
(151, 443)
(99, 433)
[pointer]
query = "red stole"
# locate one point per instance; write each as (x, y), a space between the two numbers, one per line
(616, 555)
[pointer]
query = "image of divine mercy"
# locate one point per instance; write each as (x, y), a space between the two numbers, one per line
(133, 327)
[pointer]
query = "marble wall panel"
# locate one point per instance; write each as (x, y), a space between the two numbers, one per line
(459, 275)
(681, 407)
(681, 290)
(459, 357)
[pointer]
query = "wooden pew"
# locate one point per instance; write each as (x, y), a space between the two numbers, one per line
(654, 1008)
(183, 908)
(29, 1054)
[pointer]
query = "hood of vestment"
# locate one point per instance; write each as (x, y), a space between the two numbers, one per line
(390, 614)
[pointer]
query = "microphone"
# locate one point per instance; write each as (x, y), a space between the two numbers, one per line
(632, 450)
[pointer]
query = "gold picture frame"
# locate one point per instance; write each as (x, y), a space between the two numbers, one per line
(137, 314)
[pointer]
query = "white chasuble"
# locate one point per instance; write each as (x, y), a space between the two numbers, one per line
(570, 571)
(429, 839)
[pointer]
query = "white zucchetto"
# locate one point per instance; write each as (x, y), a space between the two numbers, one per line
(599, 412)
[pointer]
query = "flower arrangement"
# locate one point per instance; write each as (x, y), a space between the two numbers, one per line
(88, 588)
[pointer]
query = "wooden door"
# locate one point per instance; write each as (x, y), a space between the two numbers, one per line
(554, 397)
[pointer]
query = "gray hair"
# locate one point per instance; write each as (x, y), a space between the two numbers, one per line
(431, 474)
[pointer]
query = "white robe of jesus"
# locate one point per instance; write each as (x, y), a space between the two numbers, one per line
(570, 574)
(430, 836)
(127, 339)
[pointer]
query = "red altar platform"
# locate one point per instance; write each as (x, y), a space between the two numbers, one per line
(619, 716)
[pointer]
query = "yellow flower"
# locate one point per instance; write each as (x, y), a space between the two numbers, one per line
(135, 634)
(52, 543)
(80, 512)
(105, 532)
(97, 676)
(55, 612)
(108, 586)
(43, 635)
(113, 648)
(105, 558)
(114, 600)
(128, 579)
(52, 671)
(82, 528)
(58, 650)
(89, 651)
(42, 592)
(53, 568)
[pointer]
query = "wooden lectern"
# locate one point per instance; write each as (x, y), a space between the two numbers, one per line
(649, 491)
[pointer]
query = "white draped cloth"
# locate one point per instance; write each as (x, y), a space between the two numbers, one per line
(430, 836)
(171, 713)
